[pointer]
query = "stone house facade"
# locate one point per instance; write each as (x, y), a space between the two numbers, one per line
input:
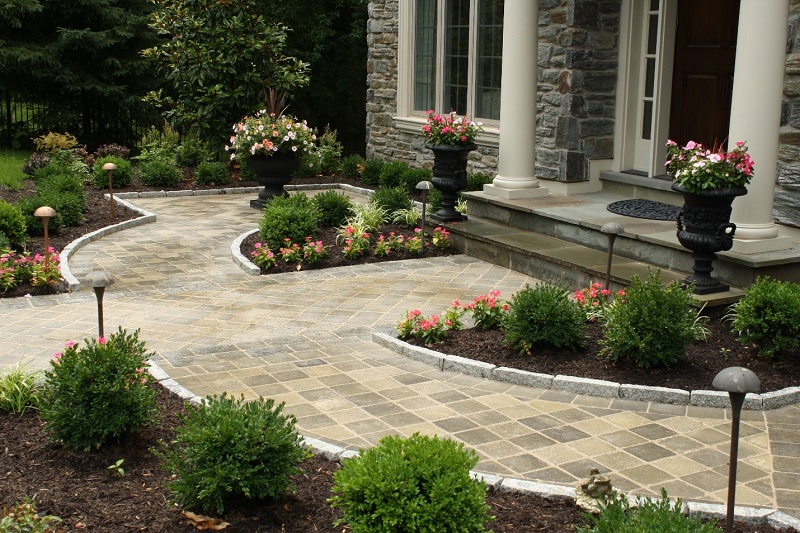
(588, 87)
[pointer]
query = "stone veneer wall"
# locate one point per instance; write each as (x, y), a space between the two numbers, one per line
(577, 61)
(787, 192)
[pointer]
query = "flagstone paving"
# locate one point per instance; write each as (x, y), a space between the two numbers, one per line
(304, 338)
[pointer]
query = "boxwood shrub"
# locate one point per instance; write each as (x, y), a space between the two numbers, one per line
(212, 173)
(292, 217)
(12, 224)
(158, 173)
(120, 178)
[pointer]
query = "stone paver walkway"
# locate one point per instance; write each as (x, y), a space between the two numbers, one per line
(305, 339)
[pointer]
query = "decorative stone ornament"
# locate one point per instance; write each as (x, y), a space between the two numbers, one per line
(704, 227)
(450, 177)
(593, 490)
(273, 173)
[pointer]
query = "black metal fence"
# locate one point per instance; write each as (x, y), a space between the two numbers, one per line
(26, 114)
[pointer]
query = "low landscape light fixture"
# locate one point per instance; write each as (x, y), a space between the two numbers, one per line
(45, 213)
(110, 168)
(737, 382)
(99, 280)
(611, 229)
(424, 187)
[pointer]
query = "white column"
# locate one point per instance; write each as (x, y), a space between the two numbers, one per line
(756, 112)
(516, 177)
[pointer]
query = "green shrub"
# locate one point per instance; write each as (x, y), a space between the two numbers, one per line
(651, 324)
(159, 173)
(192, 152)
(159, 144)
(22, 518)
(119, 178)
(334, 208)
(292, 217)
(64, 193)
(477, 180)
(543, 315)
(371, 175)
(98, 392)
(420, 483)
(329, 153)
(215, 173)
(391, 174)
(434, 200)
(391, 200)
(12, 224)
(411, 176)
(19, 391)
(768, 315)
(618, 516)
(28, 205)
(352, 166)
(5, 244)
(228, 447)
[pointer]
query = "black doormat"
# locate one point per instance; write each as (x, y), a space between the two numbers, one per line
(645, 209)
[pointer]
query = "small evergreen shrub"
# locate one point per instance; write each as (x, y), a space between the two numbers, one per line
(391, 173)
(434, 200)
(292, 217)
(352, 166)
(116, 150)
(618, 516)
(543, 315)
(228, 447)
(5, 244)
(329, 152)
(28, 205)
(371, 175)
(391, 200)
(64, 193)
(768, 316)
(119, 178)
(12, 224)
(55, 141)
(411, 176)
(19, 391)
(334, 208)
(158, 173)
(477, 180)
(652, 324)
(192, 152)
(420, 483)
(215, 173)
(98, 392)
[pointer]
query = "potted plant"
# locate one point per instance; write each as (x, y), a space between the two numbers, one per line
(709, 181)
(452, 138)
(271, 145)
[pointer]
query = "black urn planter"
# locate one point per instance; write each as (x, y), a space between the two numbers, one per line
(450, 177)
(273, 172)
(704, 227)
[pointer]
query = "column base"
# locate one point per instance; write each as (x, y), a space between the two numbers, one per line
(757, 246)
(516, 194)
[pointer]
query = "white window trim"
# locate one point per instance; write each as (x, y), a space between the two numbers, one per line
(406, 120)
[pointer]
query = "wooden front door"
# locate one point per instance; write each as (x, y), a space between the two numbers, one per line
(705, 53)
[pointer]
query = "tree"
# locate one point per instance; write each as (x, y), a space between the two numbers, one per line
(220, 58)
(78, 59)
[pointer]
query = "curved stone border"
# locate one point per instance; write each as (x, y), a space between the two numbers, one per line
(146, 218)
(749, 515)
(589, 387)
(243, 262)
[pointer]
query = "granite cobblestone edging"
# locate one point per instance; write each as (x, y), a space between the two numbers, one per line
(333, 452)
(586, 386)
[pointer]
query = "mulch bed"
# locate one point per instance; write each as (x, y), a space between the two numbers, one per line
(81, 489)
(704, 359)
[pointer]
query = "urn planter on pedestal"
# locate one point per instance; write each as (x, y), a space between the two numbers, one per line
(450, 177)
(273, 172)
(704, 227)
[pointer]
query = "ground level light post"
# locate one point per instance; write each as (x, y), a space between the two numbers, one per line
(737, 381)
(424, 187)
(110, 168)
(45, 213)
(99, 281)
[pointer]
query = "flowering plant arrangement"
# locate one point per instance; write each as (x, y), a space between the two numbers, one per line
(430, 330)
(16, 269)
(270, 134)
(450, 129)
(594, 299)
(488, 310)
(697, 168)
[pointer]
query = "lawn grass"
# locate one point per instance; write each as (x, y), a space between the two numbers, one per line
(11, 162)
